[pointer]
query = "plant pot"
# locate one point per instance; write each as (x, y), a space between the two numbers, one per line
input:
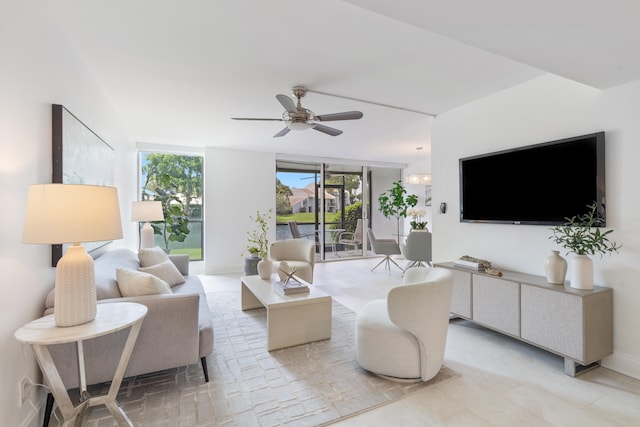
(556, 268)
(251, 265)
(265, 268)
(581, 272)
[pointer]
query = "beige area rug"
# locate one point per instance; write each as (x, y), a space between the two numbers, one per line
(308, 385)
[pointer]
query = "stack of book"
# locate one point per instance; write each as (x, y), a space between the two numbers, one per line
(291, 287)
(468, 264)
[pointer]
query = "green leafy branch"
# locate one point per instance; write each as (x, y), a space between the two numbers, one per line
(581, 235)
(393, 203)
(257, 238)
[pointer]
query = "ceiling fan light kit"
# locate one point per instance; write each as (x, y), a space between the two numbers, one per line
(296, 117)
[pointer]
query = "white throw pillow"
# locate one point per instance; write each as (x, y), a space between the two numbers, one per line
(134, 283)
(151, 256)
(167, 271)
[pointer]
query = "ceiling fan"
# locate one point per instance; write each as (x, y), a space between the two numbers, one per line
(298, 118)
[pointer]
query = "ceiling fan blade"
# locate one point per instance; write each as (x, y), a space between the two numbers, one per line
(287, 103)
(327, 130)
(347, 115)
(248, 118)
(283, 132)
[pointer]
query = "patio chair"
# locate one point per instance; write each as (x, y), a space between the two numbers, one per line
(352, 238)
(295, 231)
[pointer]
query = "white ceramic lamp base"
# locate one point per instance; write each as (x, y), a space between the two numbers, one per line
(146, 236)
(75, 295)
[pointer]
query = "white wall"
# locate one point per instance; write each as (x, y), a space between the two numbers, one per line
(546, 109)
(37, 68)
(237, 184)
(382, 179)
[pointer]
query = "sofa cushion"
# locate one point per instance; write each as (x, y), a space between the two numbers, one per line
(151, 256)
(105, 274)
(105, 269)
(166, 271)
(134, 283)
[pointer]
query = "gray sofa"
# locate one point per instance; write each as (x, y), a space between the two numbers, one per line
(176, 331)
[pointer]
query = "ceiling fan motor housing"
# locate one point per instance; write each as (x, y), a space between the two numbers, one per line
(297, 117)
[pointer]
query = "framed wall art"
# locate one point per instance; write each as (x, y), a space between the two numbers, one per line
(80, 156)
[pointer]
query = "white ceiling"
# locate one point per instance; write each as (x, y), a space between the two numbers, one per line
(177, 72)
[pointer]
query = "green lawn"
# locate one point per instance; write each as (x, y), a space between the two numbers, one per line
(194, 253)
(305, 217)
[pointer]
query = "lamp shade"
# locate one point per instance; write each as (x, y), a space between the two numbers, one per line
(146, 211)
(70, 213)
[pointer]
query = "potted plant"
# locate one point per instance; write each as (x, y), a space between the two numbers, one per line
(582, 236)
(395, 202)
(175, 226)
(416, 219)
(258, 245)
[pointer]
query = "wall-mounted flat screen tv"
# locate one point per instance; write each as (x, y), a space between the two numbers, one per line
(537, 184)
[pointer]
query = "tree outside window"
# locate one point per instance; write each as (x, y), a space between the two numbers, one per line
(176, 181)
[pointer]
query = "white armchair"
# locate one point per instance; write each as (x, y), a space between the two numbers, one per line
(404, 336)
(298, 253)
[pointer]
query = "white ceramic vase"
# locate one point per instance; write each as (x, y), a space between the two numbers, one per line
(265, 268)
(556, 268)
(581, 272)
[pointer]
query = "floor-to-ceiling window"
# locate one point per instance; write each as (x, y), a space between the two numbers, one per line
(176, 181)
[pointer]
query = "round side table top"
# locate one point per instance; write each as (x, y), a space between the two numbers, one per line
(110, 318)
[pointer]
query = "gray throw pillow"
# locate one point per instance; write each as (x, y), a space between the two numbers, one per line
(151, 256)
(166, 271)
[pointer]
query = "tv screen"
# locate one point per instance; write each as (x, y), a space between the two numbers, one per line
(537, 184)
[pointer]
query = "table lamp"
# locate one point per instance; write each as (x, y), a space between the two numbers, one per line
(146, 211)
(69, 213)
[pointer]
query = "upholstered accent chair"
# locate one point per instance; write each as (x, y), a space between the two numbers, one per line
(386, 247)
(417, 248)
(298, 253)
(404, 336)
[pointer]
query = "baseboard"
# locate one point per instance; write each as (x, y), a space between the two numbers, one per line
(31, 418)
(623, 363)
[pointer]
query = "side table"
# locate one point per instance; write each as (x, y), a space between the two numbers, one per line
(110, 318)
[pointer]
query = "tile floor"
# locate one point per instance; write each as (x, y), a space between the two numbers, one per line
(504, 382)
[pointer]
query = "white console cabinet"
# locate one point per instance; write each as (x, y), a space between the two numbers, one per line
(573, 323)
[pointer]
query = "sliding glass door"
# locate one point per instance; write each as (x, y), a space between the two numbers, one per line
(323, 202)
